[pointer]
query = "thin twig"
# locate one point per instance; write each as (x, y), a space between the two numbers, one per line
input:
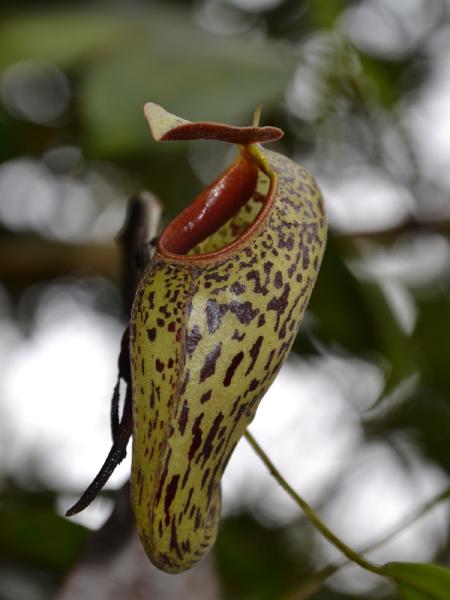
(315, 581)
(311, 515)
(257, 115)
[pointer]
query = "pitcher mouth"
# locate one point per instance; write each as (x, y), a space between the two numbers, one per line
(222, 217)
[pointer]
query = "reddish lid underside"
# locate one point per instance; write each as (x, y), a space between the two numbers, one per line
(211, 209)
(222, 198)
(166, 127)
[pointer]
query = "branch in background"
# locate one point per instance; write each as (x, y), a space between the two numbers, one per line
(390, 234)
(310, 514)
(26, 258)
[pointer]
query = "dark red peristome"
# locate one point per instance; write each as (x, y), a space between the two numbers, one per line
(212, 208)
(223, 133)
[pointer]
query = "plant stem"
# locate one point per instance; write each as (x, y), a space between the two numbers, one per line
(311, 515)
(257, 115)
(314, 582)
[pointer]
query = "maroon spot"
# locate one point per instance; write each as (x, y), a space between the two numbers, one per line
(208, 445)
(186, 476)
(261, 320)
(253, 385)
(254, 352)
(278, 281)
(192, 339)
(152, 397)
(151, 333)
(163, 476)
(286, 242)
(170, 495)
(160, 322)
(212, 484)
(171, 326)
(185, 382)
(204, 478)
(216, 291)
(279, 304)
(198, 519)
(268, 267)
(293, 266)
(235, 405)
(216, 276)
(243, 311)
(196, 436)
(241, 410)
(163, 310)
(237, 288)
(174, 540)
(205, 397)
(235, 362)
(183, 417)
(151, 299)
(159, 365)
(214, 314)
(238, 337)
(186, 506)
(283, 329)
(306, 261)
(209, 366)
(258, 287)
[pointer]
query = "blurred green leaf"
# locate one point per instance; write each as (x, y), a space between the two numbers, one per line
(9, 145)
(417, 581)
(346, 321)
(259, 562)
(396, 77)
(59, 36)
(354, 315)
(38, 537)
(433, 311)
(201, 77)
(128, 59)
(396, 346)
(325, 12)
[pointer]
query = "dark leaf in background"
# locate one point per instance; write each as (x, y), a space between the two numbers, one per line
(420, 581)
(125, 61)
(31, 533)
